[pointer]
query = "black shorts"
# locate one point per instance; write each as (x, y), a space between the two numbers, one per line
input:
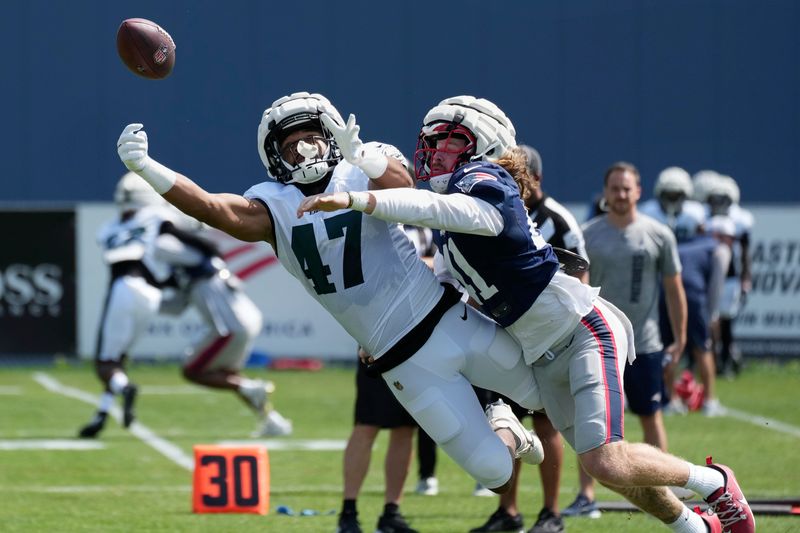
(644, 383)
(375, 403)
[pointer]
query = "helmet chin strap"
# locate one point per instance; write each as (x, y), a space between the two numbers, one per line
(439, 183)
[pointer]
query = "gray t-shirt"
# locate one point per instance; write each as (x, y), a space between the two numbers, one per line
(629, 265)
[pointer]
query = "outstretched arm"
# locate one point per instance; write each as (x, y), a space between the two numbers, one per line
(247, 220)
(456, 212)
(382, 163)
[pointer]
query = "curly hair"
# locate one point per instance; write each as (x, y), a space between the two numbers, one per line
(515, 161)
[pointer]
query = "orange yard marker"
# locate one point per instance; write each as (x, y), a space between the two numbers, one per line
(230, 479)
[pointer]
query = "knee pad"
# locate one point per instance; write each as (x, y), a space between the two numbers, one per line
(432, 411)
(490, 463)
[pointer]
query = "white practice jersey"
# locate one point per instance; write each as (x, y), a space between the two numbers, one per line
(363, 270)
(742, 219)
(684, 225)
(134, 239)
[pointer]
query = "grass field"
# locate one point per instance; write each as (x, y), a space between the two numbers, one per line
(127, 485)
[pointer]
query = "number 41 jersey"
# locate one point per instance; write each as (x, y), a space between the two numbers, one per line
(363, 270)
(506, 273)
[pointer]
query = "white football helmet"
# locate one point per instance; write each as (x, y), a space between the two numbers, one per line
(673, 187)
(722, 193)
(132, 193)
(701, 183)
(488, 133)
(290, 113)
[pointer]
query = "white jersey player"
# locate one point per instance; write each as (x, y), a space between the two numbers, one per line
(232, 320)
(427, 346)
(134, 294)
(723, 200)
(672, 204)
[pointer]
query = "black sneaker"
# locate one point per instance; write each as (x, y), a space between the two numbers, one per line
(393, 523)
(547, 523)
(582, 506)
(501, 521)
(90, 430)
(128, 399)
(348, 523)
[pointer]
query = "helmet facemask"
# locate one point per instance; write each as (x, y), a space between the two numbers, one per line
(671, 202)
(308, 160)
(442, 147)
(719, 204)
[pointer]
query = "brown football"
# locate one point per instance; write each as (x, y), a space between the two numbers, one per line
(145, 48)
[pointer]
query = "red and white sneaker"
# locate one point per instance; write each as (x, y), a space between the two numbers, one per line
(729, 504)
(712, 521)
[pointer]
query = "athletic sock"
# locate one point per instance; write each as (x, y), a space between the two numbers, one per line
(349, 507)
(106, 401)
(688, 522)
(118, 382)
(391, 508)
(703, 480)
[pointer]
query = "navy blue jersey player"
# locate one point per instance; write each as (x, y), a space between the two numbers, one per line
(504, 274)
(576, 342)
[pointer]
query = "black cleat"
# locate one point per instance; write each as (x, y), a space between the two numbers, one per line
(90, 430)
(393, 523)
(348, 523)
(547, 523)
(501, 521)
(128, 399)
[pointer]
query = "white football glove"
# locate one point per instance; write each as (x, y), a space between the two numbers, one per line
(132, 150)
(371, 161)
(132, 147)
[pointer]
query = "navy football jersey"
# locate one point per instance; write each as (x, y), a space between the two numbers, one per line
(506, 273)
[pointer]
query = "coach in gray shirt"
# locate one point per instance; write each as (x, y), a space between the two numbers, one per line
(631, 256)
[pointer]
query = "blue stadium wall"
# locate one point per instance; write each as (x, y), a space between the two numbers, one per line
(696, 83)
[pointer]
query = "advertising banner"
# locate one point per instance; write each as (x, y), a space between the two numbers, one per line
(769, 323)
(37, 282)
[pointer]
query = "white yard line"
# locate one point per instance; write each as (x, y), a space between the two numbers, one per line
(139, 430)
(318, 445)
(50, 444)
(763, 422)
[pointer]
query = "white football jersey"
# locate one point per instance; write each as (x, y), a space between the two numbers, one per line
(134, 239)
(684, 225)
(363, 270)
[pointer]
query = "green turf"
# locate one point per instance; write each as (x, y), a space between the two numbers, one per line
(130, 487)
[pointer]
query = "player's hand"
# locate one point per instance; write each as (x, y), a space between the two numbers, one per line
(371, 161)
(675, 351)
(346, 137)
(132, 147)
(324, 202)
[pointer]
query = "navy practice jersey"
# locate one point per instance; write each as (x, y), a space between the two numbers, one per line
(506, 273)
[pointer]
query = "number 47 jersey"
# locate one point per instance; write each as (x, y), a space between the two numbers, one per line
(363, 270)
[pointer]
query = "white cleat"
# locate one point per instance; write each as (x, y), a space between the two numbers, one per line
(529, 449)
(428, 486)
(257, 394)
(274, 425)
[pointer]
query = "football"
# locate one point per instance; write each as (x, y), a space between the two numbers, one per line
(145, 48)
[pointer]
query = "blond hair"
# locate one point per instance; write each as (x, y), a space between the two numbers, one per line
(515, 161)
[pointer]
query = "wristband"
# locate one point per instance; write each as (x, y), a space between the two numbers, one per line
(358, 201)
(158, 176)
